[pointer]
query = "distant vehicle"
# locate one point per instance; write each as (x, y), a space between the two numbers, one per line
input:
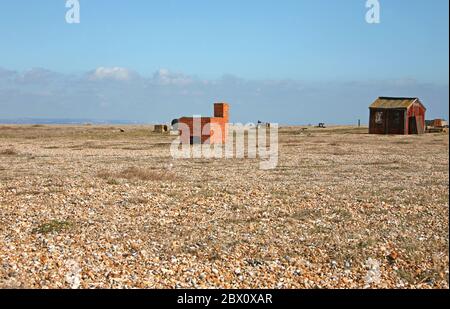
(263, 124)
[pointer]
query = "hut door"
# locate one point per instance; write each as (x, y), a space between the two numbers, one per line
(412, 125)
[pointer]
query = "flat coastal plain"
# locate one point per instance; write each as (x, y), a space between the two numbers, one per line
(108, 207)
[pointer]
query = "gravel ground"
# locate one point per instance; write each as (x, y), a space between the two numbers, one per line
(94, 207)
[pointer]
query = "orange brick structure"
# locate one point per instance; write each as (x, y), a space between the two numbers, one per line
(212, 130)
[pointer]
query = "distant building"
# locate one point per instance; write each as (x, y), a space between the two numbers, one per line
(160, 128)
(438, 123)
(436, 126)
(212, 129)
(389, 115)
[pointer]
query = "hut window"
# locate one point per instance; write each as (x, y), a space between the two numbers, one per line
(379, 117)
(397, 118)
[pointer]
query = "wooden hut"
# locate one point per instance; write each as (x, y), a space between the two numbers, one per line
(389, 115)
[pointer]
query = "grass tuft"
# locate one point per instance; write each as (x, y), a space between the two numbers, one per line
(54, 226)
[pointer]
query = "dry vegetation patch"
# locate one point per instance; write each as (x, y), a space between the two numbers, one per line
(53, 226)
(9, 152)
(137, 173)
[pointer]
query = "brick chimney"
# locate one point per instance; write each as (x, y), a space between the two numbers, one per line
(221, 110)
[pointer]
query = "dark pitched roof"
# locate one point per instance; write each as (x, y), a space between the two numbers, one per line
(392, 102)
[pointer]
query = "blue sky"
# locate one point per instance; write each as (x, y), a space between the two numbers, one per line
(297, 61)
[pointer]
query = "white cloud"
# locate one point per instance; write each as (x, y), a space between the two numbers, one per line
(4, 72)
(114, 73)
(165, 77)
(38, 76)
(6, 75)
(166, 95)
